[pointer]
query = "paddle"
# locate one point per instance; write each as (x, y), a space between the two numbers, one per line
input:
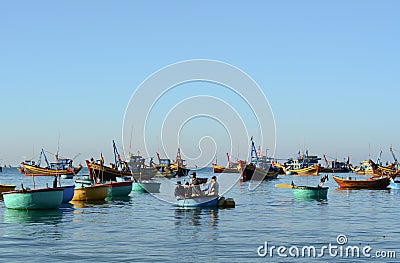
(284, 186)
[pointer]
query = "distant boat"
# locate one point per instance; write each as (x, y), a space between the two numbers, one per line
(303, 165)
(199, 201)
(90, 193)
(179, 166)
(6, 188)
(26, 199)
(370, 183)
(119, 168)
(163, 165)
(230, 168)
(364, 168)
(394, 184)
(258, 168)
(335, 166)
(61, 166)
(311, 170)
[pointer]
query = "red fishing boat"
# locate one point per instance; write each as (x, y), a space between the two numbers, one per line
(369, 183)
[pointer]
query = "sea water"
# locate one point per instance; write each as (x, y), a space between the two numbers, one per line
(142, 228)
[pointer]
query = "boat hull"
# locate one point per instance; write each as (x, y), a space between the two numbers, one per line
(6, 188)
(370, 183)
(201, 201)
(220, 169)
(146, 187)
(119, 189)
(251, 172)
(68, 193)
(44, 198)
(312, 170)
(90, 193)
(105, 173)
(30, 170)
(313, 192)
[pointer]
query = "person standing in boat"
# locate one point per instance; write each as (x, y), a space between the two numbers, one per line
(188, 190)
(196, 191)
(179, 191)
(213, 186)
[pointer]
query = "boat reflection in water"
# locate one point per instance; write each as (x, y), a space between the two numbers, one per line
(87, 204)
(48, 217)
(196, 216)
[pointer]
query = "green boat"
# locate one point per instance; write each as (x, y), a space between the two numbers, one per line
(26, 199)
(312, 192)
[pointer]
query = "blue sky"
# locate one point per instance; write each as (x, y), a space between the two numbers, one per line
(330, 69)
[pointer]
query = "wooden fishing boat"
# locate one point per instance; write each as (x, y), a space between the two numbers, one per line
(61, 166)
(90, 193)
(230, 168)
(119, 189)
(199, 201)
(258, 169)
(179, 166)
(163, 165)
(370, 183)
(335, 166)
(364, 168)
(42, 198)
(6, 188)
(119, 168)
(311, 170)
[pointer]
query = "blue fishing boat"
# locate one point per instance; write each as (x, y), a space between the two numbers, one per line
(42, 198)
(68, 193)
(199, 201)
(394, 184)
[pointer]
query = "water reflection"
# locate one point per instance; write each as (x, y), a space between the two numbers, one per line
(50, 217)
(87, 204)
(118, 198)
(196, 216)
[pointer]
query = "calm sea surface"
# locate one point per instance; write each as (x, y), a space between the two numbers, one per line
(142, 228)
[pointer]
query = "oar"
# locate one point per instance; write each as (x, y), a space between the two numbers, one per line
(284, 186)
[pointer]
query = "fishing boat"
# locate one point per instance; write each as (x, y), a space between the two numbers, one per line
(364, 168)
(179, 166)
(6, 188)
(199, 201)
(61, 166)
(394, 184)
(119, 168)
(163, 165)
(258, 168)
(335, 166)
(90, 193)
(230, 168)
(138, 167)
(68, 193)
(119, 189)
(315, 192)
(41, 198)
(146, 186)
(370, 183)
(303, 165)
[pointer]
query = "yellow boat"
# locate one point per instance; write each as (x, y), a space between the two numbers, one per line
(311, 170)
(6, 188)
(365, 168)
(90, 193)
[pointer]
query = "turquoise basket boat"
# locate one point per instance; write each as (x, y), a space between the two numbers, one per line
(119, 189)
(146, 187)
(200, 201)
(313, 192)
(43, 198)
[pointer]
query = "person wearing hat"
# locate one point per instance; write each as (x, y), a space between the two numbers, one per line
(213, 187)
(194, 183)
(179, 191)
(188, 190)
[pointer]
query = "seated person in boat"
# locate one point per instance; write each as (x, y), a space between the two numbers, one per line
(179, 191)
(196, 191)
(213, 187)
(188, 190)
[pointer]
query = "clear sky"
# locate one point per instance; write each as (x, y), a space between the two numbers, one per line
(329, 69)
